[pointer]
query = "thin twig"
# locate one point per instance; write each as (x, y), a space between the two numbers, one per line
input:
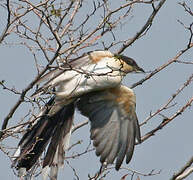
(174, 59)
(144, 28)
(79, 125)
(165, 106)
(24, 91)
(167, 120)
(184, 171)
(4, 34)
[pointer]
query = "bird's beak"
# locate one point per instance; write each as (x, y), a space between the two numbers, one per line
(138, 70)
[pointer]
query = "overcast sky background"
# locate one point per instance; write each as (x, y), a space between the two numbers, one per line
(171, 147)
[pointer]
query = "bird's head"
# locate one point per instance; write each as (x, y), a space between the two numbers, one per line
(129, 65)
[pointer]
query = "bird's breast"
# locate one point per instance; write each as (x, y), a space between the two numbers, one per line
(125, 97)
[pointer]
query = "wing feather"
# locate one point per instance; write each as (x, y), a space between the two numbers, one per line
(55, 76)
(137, 129)
(114, 128)
(131, 145)
(111, 136)
(74, 63)
(95, 71)
(122, 148)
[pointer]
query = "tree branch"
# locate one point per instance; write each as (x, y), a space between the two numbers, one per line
(165, 106)
(144, 28)
(174, 59)
(21, 98)
(4, 34)
(184, 172)
(167, 120)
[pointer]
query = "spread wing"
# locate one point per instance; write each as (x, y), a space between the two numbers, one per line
(114, 124)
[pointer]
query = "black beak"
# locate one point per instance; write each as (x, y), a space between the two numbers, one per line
(138, 70)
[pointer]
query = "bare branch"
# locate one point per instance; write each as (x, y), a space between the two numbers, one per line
(165, 106)
(5, 32)
(186, 8)
(21, 98)
(79, 125)
(167, 120)
(185, 171)
(144, 28)
(174, 59)
(184, 62)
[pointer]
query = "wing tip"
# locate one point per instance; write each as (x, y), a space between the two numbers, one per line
(117, 167)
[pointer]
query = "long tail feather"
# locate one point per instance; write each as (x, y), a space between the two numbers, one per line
(53, 128)
(59, 144)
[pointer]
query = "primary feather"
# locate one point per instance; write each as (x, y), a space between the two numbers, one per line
(114, 124)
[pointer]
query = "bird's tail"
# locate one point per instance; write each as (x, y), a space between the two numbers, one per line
(53, 128)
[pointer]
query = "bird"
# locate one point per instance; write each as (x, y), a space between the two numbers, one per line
(91, 83)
